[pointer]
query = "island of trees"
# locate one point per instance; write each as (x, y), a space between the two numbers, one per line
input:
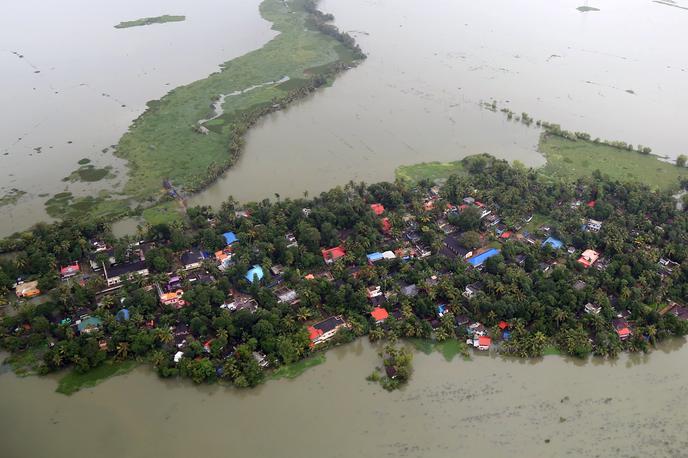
(499, 258)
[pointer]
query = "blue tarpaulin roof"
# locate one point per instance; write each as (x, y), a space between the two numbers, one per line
(230, 237)
(478, 260)
(122, 315)
(256, 271)
(372, 257)
(554, 243)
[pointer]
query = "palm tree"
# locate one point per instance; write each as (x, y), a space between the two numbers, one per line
(560, 315)
(164, 335)
(158, 358)
(303, 313)
(123, 350)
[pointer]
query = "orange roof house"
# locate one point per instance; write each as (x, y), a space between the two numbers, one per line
(386, 225)
(588, 258)
(378, 209)
(484, 343)
(379, 314)
(503, 325)
(333, 254)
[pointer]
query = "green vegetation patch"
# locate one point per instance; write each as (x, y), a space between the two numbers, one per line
(74, 381)
(551, 349)
(585, 9)
(84, 161)
(448, 348)
(291, 371)
(65, 205)
(572, 159)
(430, 171)
(90, 173)
(11, 197)
(166, 213)
(150, 20)
(166, 142)
(26, 362)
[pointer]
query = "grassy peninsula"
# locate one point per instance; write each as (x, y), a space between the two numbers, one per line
(570, 159)
(150, 20)
(171, 140)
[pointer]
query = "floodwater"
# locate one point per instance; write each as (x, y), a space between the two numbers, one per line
(431, 63)
(80, 80)
(635, 406)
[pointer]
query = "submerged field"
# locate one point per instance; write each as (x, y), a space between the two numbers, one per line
(171, 140)
(570, 160)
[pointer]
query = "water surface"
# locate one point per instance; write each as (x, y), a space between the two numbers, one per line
(636, 406)
(80, 80)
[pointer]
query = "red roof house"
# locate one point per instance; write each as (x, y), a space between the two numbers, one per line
(505, 235)
(70, 270)
(333, 254)
(378, 209)
(503, 325)
(592, 203)
(386, 225)
(484, 343)
(379, 314)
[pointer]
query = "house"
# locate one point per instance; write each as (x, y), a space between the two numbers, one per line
(70, 270)
(387, 255)
(386, 226)
(374, 257)
(333, 254)
(27, 289)
(241, 302)
(88, 324)
(502, 325)
(442, 310)
(477, 330)
(622, 327)
(192, 259)
(483, 343)
(667, 266)
(230, 237)
(491, 220)
(114, 275)
(554, 243)
(592, 309)
(379, 314)
(678, 310)
(409, 290)
(593, 225)
(378, 209)
(171, 298)
(178, 356)
(261, 359)
(224, 258)
(291, 241)
(325, 330)
(478, 260)
(461, 321)
(471, 290)
(287, 296)
(579, 285)
(374, 294)
(454, 248)
(588, 258)
(255, 273)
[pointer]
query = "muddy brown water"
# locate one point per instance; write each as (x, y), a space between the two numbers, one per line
(417, 96)
(635, 406)
(80, 80)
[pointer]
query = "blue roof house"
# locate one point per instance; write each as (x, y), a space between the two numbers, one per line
(230, 237)
(477, 261)
(122, 315)
(255, 272)
(554, 243)
(441, 310)
(374, 257)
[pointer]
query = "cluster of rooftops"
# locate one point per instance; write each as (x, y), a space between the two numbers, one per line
(194, 263)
